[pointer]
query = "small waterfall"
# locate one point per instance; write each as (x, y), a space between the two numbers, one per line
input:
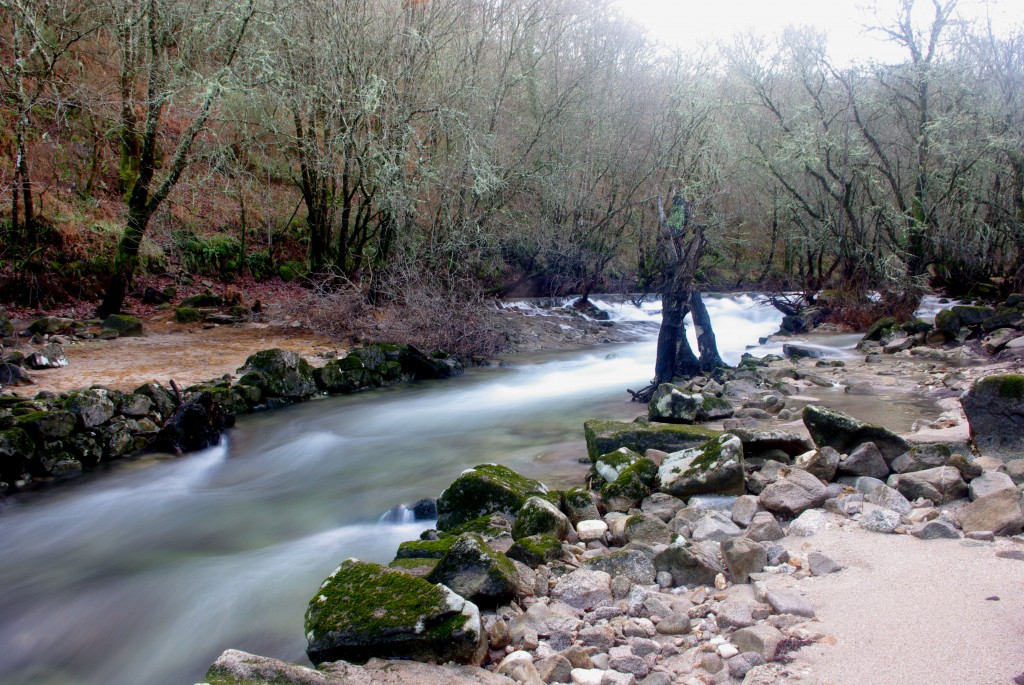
(398, 515)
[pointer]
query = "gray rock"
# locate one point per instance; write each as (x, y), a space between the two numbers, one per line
(51, 356)
(844, 433)
(287, 374)
(1001, 513)
(580, 505)
(584, 589)
(890, 498)
(623, 660)
(743, 557)
(764, 528)
(761, 638)
(757, 442)
(880, 521)
(821, 463)
(1015, 470)
(770, 472)
(657, 678)
(674, 624)
(92, 407)
(672, 404)
(741, 664)
(995, 411)
(794, 493)
(554, 669)
(647, 529)
(822, 565)
(482, 490)
(475, 571)
(602, 637)
(922, 457)
(940, 485)
(744, 509)
(936, 530)
(865, 460)
(862, 484)
(716, 468)
(662, 505)
(689, 565)
(540, 517)
(990, 482)
(735, 615)
(789, 601)
(630, 563)
(715, 526)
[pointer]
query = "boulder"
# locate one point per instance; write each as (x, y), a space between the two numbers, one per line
(890, 498)
(338, 377)
(844, 433)
(195, 425)
(764, 528)
(1000, 513)
(880, 521)
(485, 489)
(879, 327)
(865, 460)
(715, 525)
(12, 375)
(540, 517)
(758, 442)
(92, 407)
(716, 467)
(287, 374)
(995, 411)
(475, 571)
(940, 485)
(627, 476)
(52, 325)
(761, 638)
(16, 449)
(365, 610)
(45, 426)
(134, 405)
(631, 563)
(125, 325)
(971, 315)
(584, 589)
(807, 524)
(794, 493)
(647, 529)
(51, 356)
(536, 550)
(743, 557)
(662, 505)
(922, 457)
(821, 463)
(591, 530)
(672, 404)
(163, 401)
(988, 483)
(580, 504)
(936, 530)
(607, 436)
(789, 601)
(688, 564)
(744, 509)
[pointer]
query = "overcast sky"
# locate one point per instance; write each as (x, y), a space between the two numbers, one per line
(686, 22)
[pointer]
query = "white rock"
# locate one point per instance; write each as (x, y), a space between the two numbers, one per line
(591, 530)
(727, 651)
(807, 523)
(586, 676)
(519, 655)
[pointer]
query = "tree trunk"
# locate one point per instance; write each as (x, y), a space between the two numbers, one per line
(125, 262)
(673, 309)
(706, 343)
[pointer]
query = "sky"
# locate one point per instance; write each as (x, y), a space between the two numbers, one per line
(683, 23)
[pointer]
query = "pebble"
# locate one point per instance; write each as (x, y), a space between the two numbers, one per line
(727, 651)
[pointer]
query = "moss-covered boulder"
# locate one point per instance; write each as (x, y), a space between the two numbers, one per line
(768, 443)
(995, 412)
(346, 376)
(475, 571)
(1004, 317)
(631, 563)
(540, 517)
(124, 324)
(579, 505)
(947, 323)
(288, 375)
(878, 328)
(365, 610)
(716, 467)
(490, 527)
(206, 299)
(421, 567)
(424, 549)
(92, 407)
(485, 489)
(163, 401)
(48, 425)
(971, 315)
(628, 478)
(16, 450)
(52, 325)
(672, 404)
(607, 436)
(187, 315)
(844, 433)
(6, 327)
(535, 550)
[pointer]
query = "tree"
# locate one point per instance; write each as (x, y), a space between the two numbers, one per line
(162, 44)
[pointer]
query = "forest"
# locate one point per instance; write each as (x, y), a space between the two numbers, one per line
(431, 155)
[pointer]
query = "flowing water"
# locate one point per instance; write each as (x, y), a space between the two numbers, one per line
(145, 573)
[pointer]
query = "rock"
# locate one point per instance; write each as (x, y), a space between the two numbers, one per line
(608, 436)
(630, 563)
(45, 426)
(647, 529)
(134, 405)
(741, 664)
(689, 564)
(672, 404)
(591, 530)
(807, 524)
(1001, 512)
(844, 433)
(628, 478)
(482, 490)
(579, 504)
(584, 589)
(521, 671)
(715, 525)
(475, 571)
(990, 482)
(821, 565)
(762, 639)
(16, 450)
(716, 467)
(587, 676)
(769, 472)
(865, 460)
(126, 326)
(764, 528)
(287, 374)
(601, 637)
(922, 457)
(789, 601)
(554, 669)
(735, 614)
(995, 411)
(794, 493)
(623, 660)
(1015, 470)
(52, 325)
(674, 624)
(743, 557)
(756, 442)
(879, 327)
(744, 509)
(880, 521)
(535, 550)
(51, 356)
(346, 376)
(195, 425)
(540, 517)
(163, 401)
(970, 315)
(935, 530)
(997, 339)
(364, 610)
(822, 463)
(662, 505)
(887, 497)
(940, 485)
(92, 407)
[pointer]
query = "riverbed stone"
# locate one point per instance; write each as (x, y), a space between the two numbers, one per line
(580, 504)
(672, 404)
(935, 530)
(628, 478)
(482, 490)
(195, 425)
(844, 433)
(630, 563)
(647, 529)
(475, 571)
(535, 550)
(922, 457)
(743, 557)
(1001, 513)
(789, 601)
(757, 442)
(940, 485)
(989, 482)
(716, 467)
(540, 517)
(890, 498)
(338, 377)
(92, 407)
(48, 425)
(607, 436)
(287, 374)
(793, 494)
(880, 521)
(50, 356)
(822, 463)
(764, 528)
(689, 564)
(584, 589)
(365, 610)
(714, 525)
(744, 509)
(865, 460)
(820, 564)
(662, 505)
(995, 411)
(762, 638)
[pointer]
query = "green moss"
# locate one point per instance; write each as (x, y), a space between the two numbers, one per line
(607, 436)
(710, 454)
(947, 322)
(489, 526)
(485, 489)
(538, 517)
(424, 549)
(417, 566)
(878, 328)
(1009, 385)
(535, 550)
(187, 315)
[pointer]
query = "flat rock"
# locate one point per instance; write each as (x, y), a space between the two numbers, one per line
(761, 638)
(935, 530)
(845, 433)
(822, 565)
(995, 411)
(764, 528)
(865, 460)
(584, 589)
(789, 601)
(990, 482)
(716, 467)
(940, 485)
(1001, 512)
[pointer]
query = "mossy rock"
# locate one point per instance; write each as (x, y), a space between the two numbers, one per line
(16, 450)
(92, 407)
(631, 486)
(1004, 317)
(128, 326)
(972, 315)
(608, 467)
(844, 433)
(947, 323)
(335, 378)
(250, 394)
(134, 404)
(6, 327)
(879, 327)
(579, 505)
(540, 517)
(535, 550)
(163, 400)
(48, 425)
(206, 299)
(475, 571)
(607, 436)
(716, 467)
(672, 404)
(421, 567)
(187, 315)
(916, 326)
(364, 610)
(288, 375)
(424, 549)
(995, 412)
(488, 526)
(485, 489)
(52, 325)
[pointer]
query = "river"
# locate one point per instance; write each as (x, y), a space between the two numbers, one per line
(146, 572)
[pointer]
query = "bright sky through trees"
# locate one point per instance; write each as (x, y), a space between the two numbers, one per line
(690, 23)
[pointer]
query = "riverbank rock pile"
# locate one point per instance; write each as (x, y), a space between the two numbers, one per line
(666, 568)
(51, 436)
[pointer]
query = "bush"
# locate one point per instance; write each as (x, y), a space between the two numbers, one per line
(216, 255)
